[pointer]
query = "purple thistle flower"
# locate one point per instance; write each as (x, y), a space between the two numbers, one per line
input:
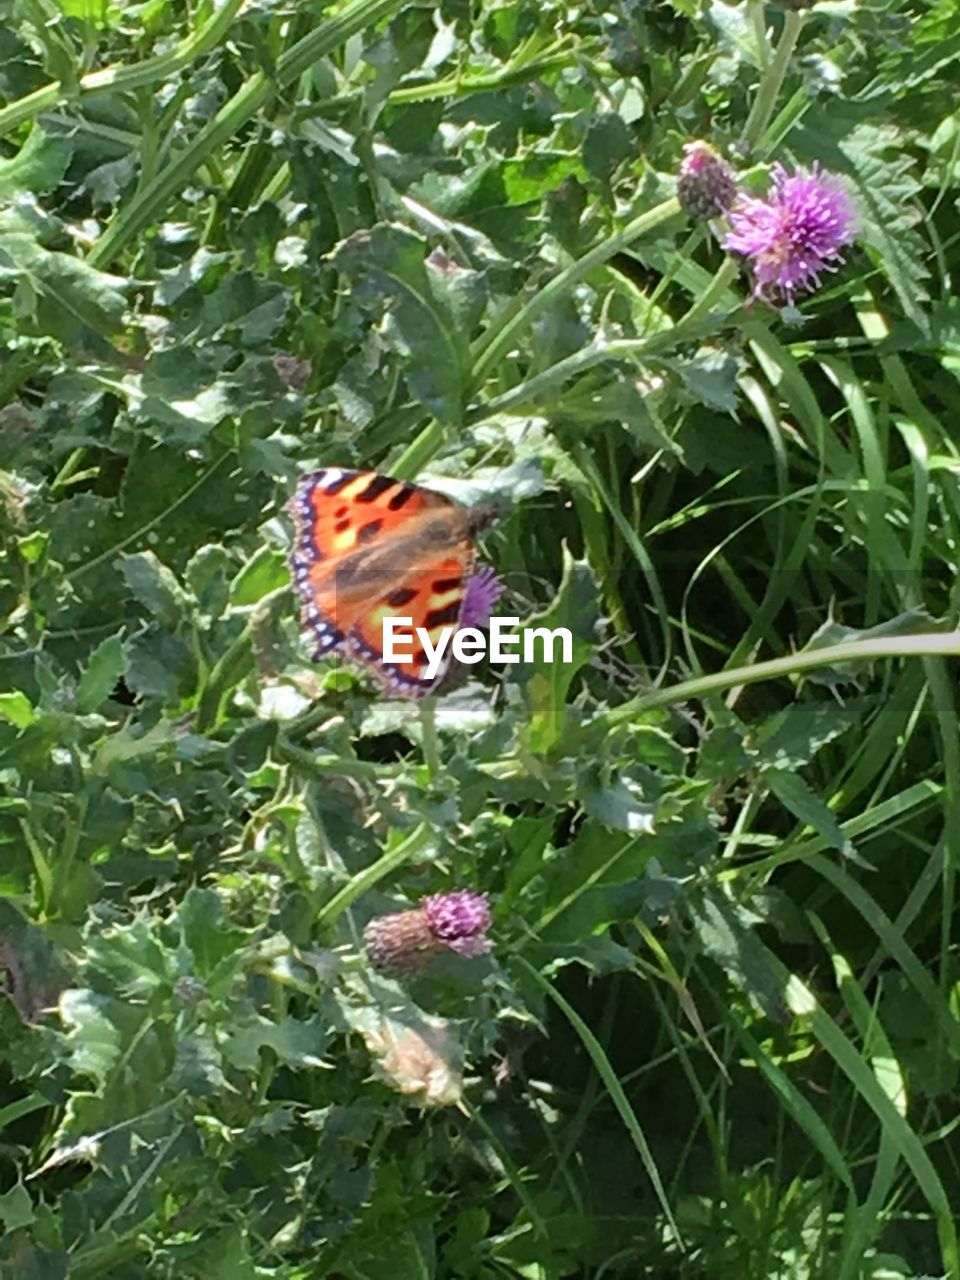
(706, 184)
(795, 233)
(405, 941)
(484, 589)
(460, 920)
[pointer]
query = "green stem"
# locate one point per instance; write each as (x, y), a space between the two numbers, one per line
(498, 339)
(69, 468)
(517, 72)
(232, 665)
(535, 388)
(927, 644)
(41, 866)
(463, 86)
(419, 452)
(305, 723)
(331, 766)
(68, 854)
(771, 81)
(148, 205)
(124, 79)
(277, 185)
(713, 294)
(758, 17)
(366, 879)
(428, 730)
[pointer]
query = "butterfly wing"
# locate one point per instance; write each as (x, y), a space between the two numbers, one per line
(338, 514)
(338, 510)
(432, 597)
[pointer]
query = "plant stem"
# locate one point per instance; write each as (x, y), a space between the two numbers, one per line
(330, 765)
(149, 204)
(718, 286)
(498, 339)
(418, 453)
(428, 730)
(771, 81)
(124, 79)
(463, 86)
(758, 16)
(41, 867)
(68, 853)
(526, 393)
(366, 879)
(233, 664)
(926, 644)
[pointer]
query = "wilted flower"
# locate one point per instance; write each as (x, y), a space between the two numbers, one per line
(292, 370)
(418, 1056)
(484, 589)
(404, 941)
(795, 233)
(706, 184)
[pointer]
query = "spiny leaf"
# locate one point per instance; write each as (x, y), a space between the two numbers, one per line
(58, 294)
(887, 194)
(102, 672)
(16, 709)
(796, 795)
(546, 680)
(793, 736)
(428, 307)
(38, 166)
(726, 933)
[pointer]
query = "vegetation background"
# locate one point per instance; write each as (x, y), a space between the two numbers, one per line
(717, 1034)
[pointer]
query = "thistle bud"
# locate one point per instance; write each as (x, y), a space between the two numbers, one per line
(706, 185)
(405, 941)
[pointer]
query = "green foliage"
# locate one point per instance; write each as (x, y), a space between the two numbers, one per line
(718, 1031)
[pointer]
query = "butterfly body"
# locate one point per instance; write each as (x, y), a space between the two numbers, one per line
(369, 547)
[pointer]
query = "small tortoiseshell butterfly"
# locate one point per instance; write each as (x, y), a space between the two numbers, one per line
(369, 547)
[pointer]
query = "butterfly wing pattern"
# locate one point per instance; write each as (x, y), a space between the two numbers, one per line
(368, 547)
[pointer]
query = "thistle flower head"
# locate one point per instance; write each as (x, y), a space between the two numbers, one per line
(484, 589)
(706, 184)
(460, 920)
(795, 233)
(405, 941)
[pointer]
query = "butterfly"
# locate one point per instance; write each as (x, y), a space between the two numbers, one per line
(368, 547)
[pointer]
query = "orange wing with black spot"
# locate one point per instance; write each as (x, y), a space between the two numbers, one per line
(369, 547)
(432, 597)
(338, 510)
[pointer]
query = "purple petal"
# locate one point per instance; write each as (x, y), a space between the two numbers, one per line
(470, 947)
(706, 185)
(798, 231)
(459, 919)
(484, 589)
